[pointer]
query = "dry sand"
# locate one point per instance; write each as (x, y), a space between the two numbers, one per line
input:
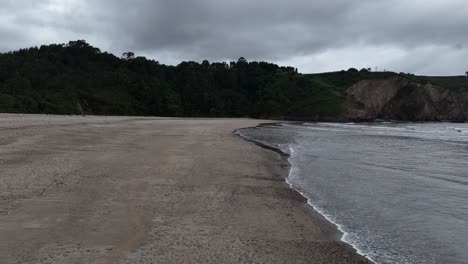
(151, 190)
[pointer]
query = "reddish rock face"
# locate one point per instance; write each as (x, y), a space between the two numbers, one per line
(399, 98)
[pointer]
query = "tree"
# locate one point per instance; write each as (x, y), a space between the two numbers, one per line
(242, 60)
(128, 55)
(78, 44)
(206, 64)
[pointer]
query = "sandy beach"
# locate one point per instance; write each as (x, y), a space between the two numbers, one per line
(151, 190)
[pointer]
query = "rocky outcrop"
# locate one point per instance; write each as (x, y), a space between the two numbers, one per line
(399, 98)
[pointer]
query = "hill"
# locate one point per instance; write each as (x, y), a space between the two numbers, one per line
(77, 78)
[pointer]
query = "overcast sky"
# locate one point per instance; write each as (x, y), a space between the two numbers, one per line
(419, 36)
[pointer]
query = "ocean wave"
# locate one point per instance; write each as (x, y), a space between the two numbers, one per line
(346, 235)
(382, 212)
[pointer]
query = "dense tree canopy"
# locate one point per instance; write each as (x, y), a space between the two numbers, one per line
(76, 78)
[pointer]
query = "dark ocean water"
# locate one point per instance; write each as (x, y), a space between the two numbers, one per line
(398, 191)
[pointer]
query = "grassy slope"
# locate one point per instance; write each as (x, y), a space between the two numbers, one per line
(79, 79)
(330, 88)
(327, 92)
(451, 82)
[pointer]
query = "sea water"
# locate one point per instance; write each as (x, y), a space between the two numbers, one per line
(397, 191)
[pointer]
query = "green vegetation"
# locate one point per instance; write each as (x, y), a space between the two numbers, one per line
(76, 78)
(344, 79)
(451, 82)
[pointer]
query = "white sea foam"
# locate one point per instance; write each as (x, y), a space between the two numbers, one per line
(397, 198)
(346, 235)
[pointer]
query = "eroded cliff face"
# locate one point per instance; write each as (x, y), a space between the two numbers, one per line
(398, 98)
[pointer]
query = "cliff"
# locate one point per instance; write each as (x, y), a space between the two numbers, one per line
(400, 98)
(77, 78)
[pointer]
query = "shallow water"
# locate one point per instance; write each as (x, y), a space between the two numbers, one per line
(398, 191)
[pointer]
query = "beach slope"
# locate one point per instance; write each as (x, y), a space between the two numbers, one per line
(151, 190)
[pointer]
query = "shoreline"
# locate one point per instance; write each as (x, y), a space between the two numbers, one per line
(119, 190)
(309, 202)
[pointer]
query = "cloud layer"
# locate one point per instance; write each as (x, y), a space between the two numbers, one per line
(424, 37)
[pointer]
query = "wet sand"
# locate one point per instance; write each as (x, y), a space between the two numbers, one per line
(151, 190)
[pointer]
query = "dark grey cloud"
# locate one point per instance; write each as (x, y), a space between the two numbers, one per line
(426, 37)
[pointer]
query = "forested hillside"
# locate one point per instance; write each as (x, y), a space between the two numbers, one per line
(76, 78)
